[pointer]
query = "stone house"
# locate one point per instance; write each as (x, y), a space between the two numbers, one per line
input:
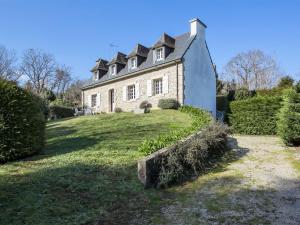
(174, 67)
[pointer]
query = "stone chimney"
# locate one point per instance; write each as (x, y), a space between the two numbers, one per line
(197, 27)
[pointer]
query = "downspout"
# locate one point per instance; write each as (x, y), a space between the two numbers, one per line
(82, 99)
(177, 83)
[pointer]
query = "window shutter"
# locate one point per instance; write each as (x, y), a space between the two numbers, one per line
(98, 99)
(149, 88)
(137, 90)
(124, 93)
(165, 84)
(89, 103)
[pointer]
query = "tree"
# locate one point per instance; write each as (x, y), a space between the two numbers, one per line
(8, 61)
(220, 85)
(73, 93)
(285, 82)
(297, 87)
(39, 68)
(253, 70)
(62, 80)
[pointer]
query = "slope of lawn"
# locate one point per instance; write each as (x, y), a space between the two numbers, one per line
(87, 173)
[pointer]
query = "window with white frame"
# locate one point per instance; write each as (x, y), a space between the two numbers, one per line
(157, 86)
(93, 100)
(96, 75)
(159, 54)
(113, 70)
(131, 92)
(133, 63)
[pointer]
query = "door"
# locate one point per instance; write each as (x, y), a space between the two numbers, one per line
(112, 100)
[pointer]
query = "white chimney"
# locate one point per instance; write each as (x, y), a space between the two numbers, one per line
(197, 27)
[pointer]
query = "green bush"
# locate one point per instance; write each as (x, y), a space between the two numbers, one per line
(192, 157)
(269, 92)
(242, 93)
(168, 103)
(289, 118)
(222, 103)
(22, 123)
(118, 110)
(58, 112)
(255, 115)
(200, 118)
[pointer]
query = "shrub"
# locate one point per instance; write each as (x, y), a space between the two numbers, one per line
(200, 118)
(297, 87)
(118, 110)
(289, 118)
(22, 123)
(192, 157)
(168, 103)
(255, 115)
(269, 92)
(146, 106)
(242, 93)
(59, 112)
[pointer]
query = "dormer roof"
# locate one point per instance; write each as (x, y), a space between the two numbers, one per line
(101, 64)
(165, 40)
(139, 50)
(119, 58)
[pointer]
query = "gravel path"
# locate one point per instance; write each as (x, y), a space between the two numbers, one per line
(262, 186)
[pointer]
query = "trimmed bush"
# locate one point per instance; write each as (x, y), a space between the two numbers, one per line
(289, 118)
(256, 115)
(118, 110)
(269, 92)
(192, 157)
(200, 118)
(168, 103)
(22, 123)
(242, 93)
(58, 112)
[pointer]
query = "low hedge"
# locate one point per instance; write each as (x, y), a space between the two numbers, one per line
(200, 118)
(58, 112)
(256, 115)
(168, 103)
(22, 123)
(289, 118)
(190, 158)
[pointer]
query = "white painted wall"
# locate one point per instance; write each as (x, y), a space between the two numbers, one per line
(199, 75)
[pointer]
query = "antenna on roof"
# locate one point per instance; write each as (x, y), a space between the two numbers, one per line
(114, 49)
(112, 45)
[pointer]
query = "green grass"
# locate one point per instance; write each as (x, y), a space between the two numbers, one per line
(87, 172)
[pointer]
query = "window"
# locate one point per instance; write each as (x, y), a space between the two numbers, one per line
(113, 70)
(131, 92)
(96, 75)
(159, 54)
(157, 86)
(133, 63)
(93, 99)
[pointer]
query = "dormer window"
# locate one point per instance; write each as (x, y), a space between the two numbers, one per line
(96, 75)
(133, 63)
(159, 54)
(113, 70)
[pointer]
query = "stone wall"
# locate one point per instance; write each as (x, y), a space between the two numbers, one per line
(141, 80)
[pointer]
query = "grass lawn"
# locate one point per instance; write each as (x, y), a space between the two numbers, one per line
(87, 173)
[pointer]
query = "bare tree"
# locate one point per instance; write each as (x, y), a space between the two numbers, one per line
(73, 93)
(39, 67)
(253, 70)
(8, 61)
(62, 79)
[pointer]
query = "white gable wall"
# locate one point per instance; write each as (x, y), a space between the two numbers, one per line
(199, 76)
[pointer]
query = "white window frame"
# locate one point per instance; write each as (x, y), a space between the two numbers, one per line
(113, 69)
(94, 100)
(131, 95)
(159, 57)
(133, 63)
(157, 86)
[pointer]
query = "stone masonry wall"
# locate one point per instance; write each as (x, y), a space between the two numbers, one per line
(141, 79)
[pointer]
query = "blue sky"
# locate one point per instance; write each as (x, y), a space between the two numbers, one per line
(80, 31)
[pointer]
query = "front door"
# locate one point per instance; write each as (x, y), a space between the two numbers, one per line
(112, 100)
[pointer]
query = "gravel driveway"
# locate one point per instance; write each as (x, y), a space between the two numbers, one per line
(261, 185)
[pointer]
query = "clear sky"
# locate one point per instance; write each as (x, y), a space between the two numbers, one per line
(80, 31)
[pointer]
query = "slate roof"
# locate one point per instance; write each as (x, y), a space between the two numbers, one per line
(101, 64)
(119, 58)
(165, 40)
(181, 44)
(139, 50)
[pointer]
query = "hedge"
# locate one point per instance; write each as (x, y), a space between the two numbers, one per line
(200, 118)
(58, 112)
(255, 115)
(193, 157)
(22, 123)
(222, 103)
(168, 103)
(289, 118)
